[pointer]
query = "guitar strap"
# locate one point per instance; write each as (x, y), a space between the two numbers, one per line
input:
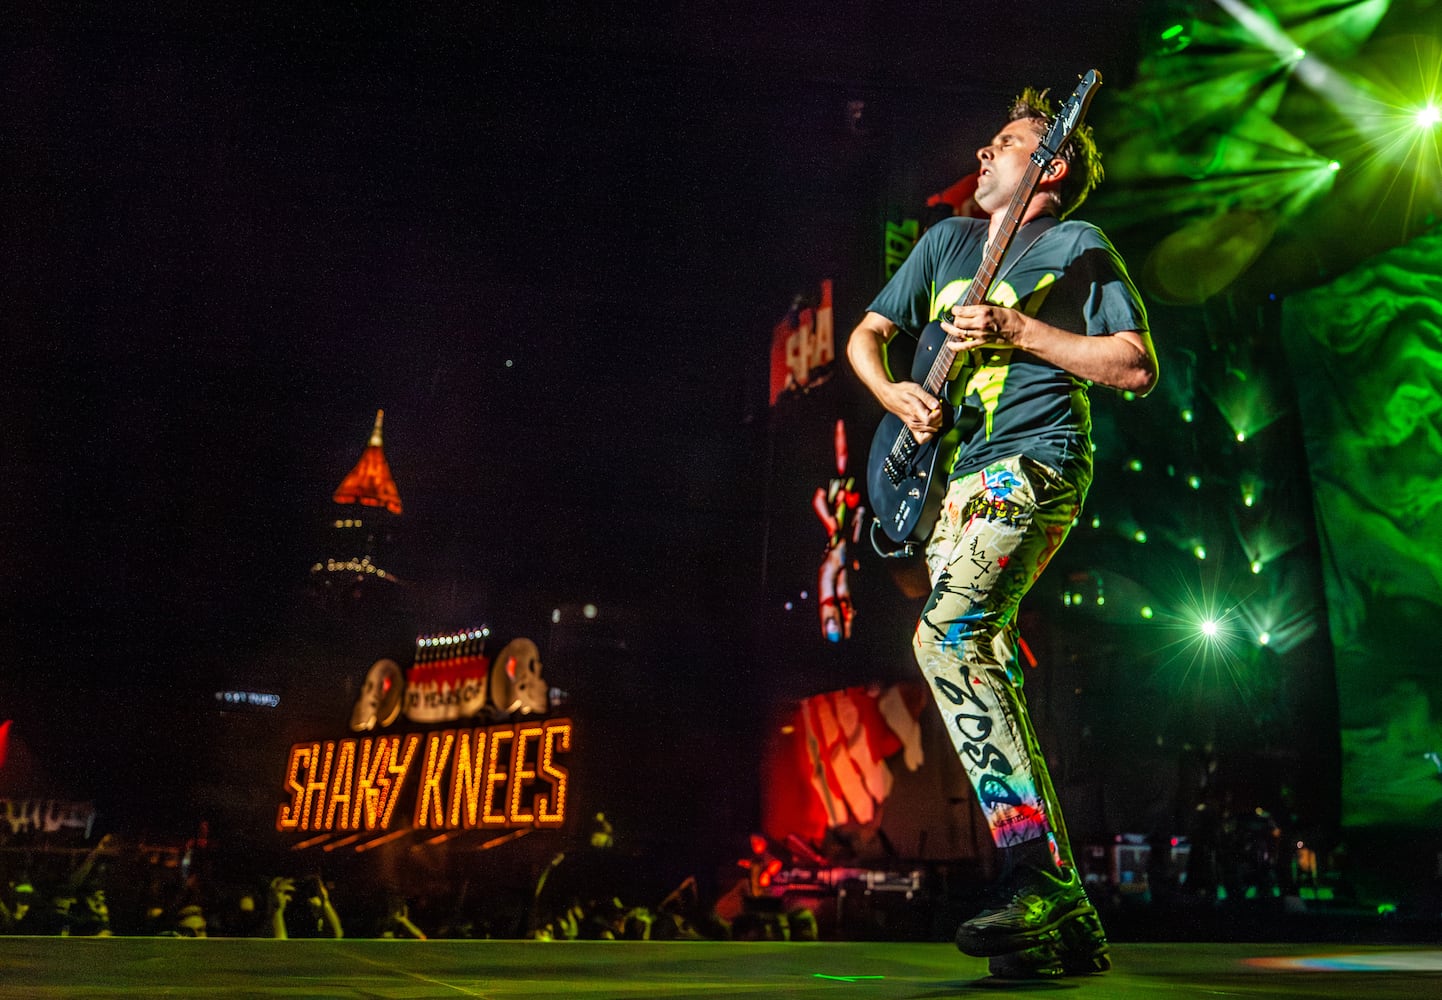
(1037, 227)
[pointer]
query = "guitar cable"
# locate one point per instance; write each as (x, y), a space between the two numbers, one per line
(907, 550)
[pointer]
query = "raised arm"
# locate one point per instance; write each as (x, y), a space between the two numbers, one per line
(1123, 360)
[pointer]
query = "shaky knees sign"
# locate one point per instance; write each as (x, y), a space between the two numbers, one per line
(498, 777)
(504, 773)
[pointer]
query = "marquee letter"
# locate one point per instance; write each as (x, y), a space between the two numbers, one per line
(466, 777)
(494, 777)
(396, 771)
(428, 797)
(340, 787)
(288, 817)
(317, 785)
(520, 775)
(374, 756)
(556, 732)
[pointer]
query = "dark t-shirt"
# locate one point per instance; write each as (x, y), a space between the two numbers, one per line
(1070, 278)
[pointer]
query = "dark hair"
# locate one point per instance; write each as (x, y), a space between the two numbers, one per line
(1080, 151)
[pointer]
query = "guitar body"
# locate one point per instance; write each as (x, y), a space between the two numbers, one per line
(905, 495)
(904, 480)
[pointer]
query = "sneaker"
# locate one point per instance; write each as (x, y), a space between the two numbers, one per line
(1081, 950)
(1042, 962)
(1032, 918)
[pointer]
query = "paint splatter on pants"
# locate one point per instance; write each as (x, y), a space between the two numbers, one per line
(997, 530)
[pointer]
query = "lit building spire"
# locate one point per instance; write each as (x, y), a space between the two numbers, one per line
(369, 483)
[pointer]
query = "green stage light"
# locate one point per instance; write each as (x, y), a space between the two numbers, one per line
(1250, 401)
(1203, 642)
(1282, 618)
(1393, 107)
(1250, 488)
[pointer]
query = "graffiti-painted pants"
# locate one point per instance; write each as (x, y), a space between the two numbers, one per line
(997, 530)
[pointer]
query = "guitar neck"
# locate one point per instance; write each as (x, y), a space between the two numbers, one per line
(991, 260)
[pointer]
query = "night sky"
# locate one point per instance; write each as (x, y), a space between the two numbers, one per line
(550, 246)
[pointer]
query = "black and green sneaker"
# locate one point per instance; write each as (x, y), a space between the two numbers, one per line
(1033, 917)
(1042, 962)
(1079, 949)
(1084, 944)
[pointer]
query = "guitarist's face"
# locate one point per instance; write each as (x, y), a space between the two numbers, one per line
(1003, 162)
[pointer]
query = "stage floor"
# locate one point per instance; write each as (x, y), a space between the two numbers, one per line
(91, 969)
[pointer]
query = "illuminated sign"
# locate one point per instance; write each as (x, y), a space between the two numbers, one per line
(900, 239)
(505, 775)
(46, 815)
(453, 679)
(250, 699)
(496, 777)
(803, 347)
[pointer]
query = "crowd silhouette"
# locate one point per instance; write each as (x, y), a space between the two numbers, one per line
(590, 891)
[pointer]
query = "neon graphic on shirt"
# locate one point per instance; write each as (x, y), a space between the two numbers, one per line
(989, 378)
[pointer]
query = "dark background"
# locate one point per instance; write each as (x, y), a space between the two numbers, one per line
(552, 246)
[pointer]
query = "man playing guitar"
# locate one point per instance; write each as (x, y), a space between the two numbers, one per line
(1061, 315)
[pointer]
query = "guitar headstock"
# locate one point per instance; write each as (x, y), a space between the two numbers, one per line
(1068, 118)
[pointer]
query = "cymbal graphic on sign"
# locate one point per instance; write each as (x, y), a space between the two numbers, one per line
(516, 684)
(380, 698)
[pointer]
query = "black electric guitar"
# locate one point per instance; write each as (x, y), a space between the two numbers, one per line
(905, 495)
